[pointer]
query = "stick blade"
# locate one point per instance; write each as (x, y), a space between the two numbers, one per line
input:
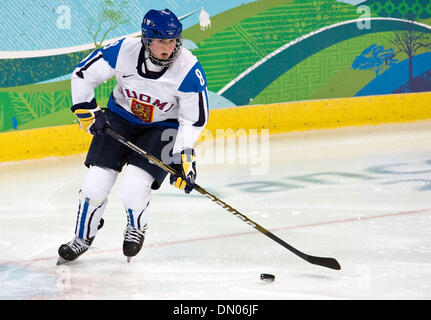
(330, 263)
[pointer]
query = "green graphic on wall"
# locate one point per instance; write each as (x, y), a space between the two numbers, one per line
(253, 52)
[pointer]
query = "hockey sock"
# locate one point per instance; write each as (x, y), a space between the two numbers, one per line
(135, 192)
(89, 215)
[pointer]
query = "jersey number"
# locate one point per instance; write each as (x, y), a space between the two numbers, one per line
(110, 45)
(200, 77)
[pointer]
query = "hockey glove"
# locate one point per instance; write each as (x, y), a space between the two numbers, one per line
(185, 164)
(91, 117)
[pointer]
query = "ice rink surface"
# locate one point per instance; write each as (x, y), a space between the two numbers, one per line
(360, 195)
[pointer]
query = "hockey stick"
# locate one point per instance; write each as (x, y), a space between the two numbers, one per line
(321, 261)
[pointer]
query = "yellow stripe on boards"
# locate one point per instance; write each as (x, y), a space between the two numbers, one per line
(43, 142)
(324, 114)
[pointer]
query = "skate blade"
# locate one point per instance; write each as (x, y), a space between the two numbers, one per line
(61, 261)
(129, 259)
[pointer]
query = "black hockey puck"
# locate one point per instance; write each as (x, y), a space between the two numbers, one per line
(267, 277)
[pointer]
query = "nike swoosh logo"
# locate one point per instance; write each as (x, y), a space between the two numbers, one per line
(129, 75)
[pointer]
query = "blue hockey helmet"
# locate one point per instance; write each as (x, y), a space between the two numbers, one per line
(161, 24)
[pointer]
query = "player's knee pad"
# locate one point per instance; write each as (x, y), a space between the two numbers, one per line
(93, 198)
(98, 183)
(135, 192)
(135, 187)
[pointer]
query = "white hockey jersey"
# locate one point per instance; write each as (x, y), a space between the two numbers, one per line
(175, 97)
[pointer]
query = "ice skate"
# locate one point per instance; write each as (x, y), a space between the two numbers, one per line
(73, 249)
(133, 241)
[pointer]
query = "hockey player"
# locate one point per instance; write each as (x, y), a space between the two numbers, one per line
(160, 103)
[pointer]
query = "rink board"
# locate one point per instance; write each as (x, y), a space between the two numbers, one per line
(278, 118)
